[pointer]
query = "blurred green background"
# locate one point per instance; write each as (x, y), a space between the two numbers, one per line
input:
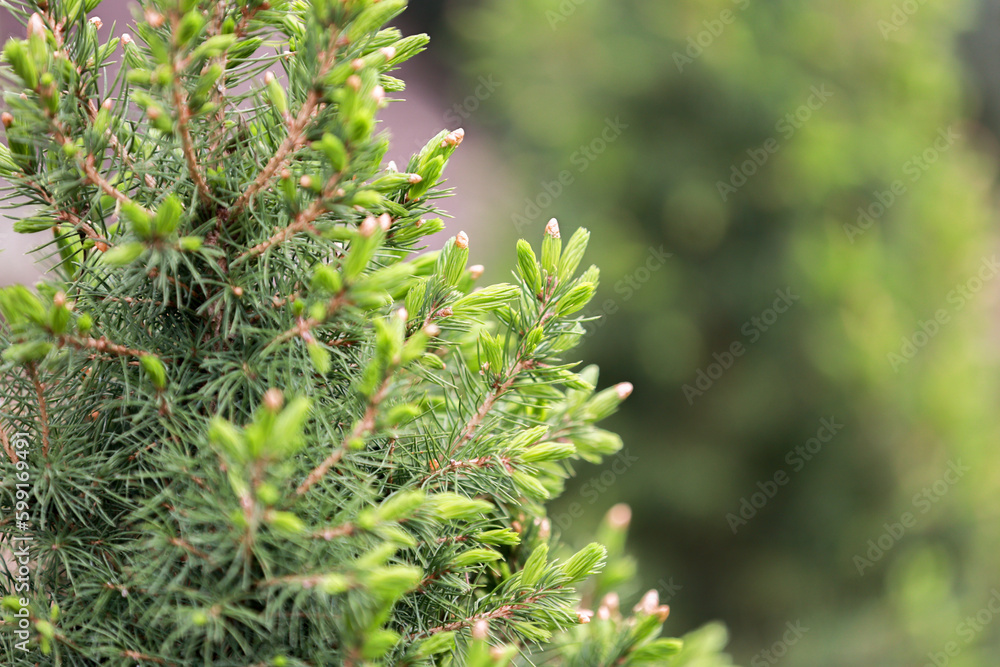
(793, 207)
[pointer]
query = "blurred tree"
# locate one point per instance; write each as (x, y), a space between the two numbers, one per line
(798, 258)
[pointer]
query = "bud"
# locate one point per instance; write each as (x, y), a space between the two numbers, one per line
(378, 94)
(415, 178)
(59, 300)
(36, 26)
(402, 314)
(584, 616)
(552, 228)
(623, 389)
(620, 516)
(354, 81)
(96, 22)
(107, 104)
(368, 227)
(649, 604)
(126, 39)
(285, 174)
(481, 629)
(385, 222)
(7, 118)
(392, 166)
(476, 271)
(444, 312)
(544, 528)
(357, 64)
(274, 399)
(453, 138)
(462, 240)
(238, 291)
(306, 182)
(432, 330)
(611, 603)
(154, 18)
(389, 52)
(662, 612)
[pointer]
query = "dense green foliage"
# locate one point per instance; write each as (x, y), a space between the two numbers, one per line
(818, 151)
(247, 421)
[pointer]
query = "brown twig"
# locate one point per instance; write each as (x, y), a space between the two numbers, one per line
(364, 425)
(292, 141)
(473, 424)
(43, 413)
(187, 145)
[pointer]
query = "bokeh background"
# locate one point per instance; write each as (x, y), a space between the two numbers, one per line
(794, 209)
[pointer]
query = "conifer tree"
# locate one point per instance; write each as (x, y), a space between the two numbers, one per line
(247, 420)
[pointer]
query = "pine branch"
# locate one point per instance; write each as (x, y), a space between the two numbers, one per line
(302, 222)
(294, 140)
(363, 426)
(183, 120)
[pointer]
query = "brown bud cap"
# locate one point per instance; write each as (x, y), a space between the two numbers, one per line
(59, 300)
(368, 227)
(445, 312)
(584, 616)
(96, 22)
(402, 314)
(663, 611)
(620, 516)
(107, 104)
(357, 64)
(481, 629)
(552, 228)
(36, 26)
(462, 240)
(126, 38)
(476, 271)
(414, 179)
(154, 18)
(624, 390)
(273, 399)
(432, 330)
(391, 167)
(453, 138)
(306, 182)
(237, 291)
(354, 81)
(389, 52)
(7, 118)
(649, 604)
(378, 93)
(544, 528)
(611, 602)
(385, 222)
(285, 174)
(269, 77)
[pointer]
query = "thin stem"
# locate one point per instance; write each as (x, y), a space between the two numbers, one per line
(295, 138)
(43, 412)
(364, 425)
(302, 222)
(183, 116)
